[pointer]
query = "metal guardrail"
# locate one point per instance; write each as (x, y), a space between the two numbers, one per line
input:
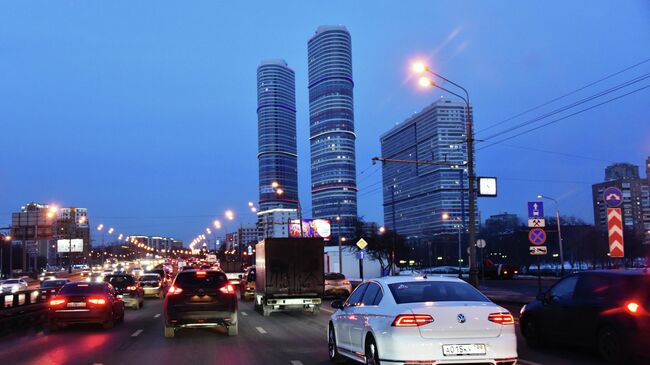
(24, 308)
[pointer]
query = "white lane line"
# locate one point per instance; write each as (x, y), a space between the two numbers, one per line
(156, 315)
(327, 310)
(260, 330)
(527, 362)
(244, 313)
(98, 363)
(136, 333)
(296, 362)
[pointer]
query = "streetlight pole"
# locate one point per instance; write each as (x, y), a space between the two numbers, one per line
(469, 139)
(559, 232)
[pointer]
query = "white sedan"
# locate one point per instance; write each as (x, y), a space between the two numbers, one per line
(13, 285)
(421, 320)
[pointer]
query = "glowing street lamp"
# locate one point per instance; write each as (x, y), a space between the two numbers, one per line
(382, 230)
(230, 215)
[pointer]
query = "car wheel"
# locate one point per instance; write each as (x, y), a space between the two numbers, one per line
(169, 332)
(532, 335)
(108, 324)
(611, 346)
(233, 330)
(332, 351)
(372, 355)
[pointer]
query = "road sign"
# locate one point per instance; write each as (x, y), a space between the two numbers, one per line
(535, 210)
(537, 236)
(536, 222)
(538, 250)
(362, 244)
(361, 254)
(481, 243)
(615, 232)
(613, 196)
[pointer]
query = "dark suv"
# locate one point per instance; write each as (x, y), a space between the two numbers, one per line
(609, 310)
(128, 289)
(200, 298)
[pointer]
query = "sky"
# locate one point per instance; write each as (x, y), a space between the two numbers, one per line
(145, 112)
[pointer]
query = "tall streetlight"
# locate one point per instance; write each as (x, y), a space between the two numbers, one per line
(446, 216)
(5, 238)
(279, 192)
(559, 232)
(469, 139)
(101, 229)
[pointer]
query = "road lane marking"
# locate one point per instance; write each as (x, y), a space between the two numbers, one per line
(527, 362)
(260, 330)
(157, 315)
(136, 333)
(327, 310)
(244, 313)
(296, 362)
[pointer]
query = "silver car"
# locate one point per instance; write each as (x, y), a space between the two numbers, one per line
(13, 285)
(152, 285)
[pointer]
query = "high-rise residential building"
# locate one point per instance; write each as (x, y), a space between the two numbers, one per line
(422, 201)
(636, 198)
(332, 137)
(277, 152)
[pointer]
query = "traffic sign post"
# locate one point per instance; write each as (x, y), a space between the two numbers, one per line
(613, 196)
(536, 222)
(615, 232)
(537, 236)
(538, 250)
(362, 244)
(535, 210)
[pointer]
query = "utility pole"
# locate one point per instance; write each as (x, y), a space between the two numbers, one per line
(392, 204)
(338, 234)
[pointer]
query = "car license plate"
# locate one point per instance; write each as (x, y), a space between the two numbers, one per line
(76, 304)
(463, 350)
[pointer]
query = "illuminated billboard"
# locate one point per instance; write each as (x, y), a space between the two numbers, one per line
(311, 228)
(73, 245)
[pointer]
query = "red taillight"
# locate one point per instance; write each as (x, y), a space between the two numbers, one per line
(131, 287)
(174, 290)
(97, 301)
(227, 289)
(346, 282)
(54, 302)
(201, 274)
(501, 318)
(412, 320)
(633, 307)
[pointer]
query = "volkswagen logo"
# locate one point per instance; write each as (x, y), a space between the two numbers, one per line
(461, 318)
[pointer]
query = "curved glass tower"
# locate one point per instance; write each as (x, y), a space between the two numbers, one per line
(332, 138)
(276, 118)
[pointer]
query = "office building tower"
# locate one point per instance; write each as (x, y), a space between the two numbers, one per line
(332, 137)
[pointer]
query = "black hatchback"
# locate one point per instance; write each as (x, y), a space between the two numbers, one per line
(200, 298)
(608, 309)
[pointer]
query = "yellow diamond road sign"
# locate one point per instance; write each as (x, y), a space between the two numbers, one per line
(362, 244)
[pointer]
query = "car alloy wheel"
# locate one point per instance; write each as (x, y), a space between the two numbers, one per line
(372, 357)
(331, 343)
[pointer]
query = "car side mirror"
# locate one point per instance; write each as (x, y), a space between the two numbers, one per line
(337, 304)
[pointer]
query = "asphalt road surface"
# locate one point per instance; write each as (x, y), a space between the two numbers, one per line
(283, 338)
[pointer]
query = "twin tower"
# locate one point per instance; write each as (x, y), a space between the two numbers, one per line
(331, 134)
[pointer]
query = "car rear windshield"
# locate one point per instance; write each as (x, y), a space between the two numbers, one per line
(435, 291)
(334, 276)
(120, 281)
(53, 283)
(12, 281)
(190, 280)
(78, 288)
(150, 278)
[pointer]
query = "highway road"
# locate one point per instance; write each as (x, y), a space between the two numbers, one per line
(283, 338)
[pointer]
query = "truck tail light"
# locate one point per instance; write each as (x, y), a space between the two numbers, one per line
(97, 301)
(501, 318)
(412, 320)
(227, 289)
(56, 302)
(174, 290)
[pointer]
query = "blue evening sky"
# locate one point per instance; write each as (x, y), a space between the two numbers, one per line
(144, 111)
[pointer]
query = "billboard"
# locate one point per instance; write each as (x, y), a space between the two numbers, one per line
(73, 245)
(311, 228)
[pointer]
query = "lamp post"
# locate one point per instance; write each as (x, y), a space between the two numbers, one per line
(469, 139)
(559, 232)
(446, 216)
(5, 238)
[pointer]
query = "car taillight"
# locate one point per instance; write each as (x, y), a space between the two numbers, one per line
(201, 274)
(501, 318)
(412, 320)
(131, 287)
(633, 307)
(174, 290)
(346, 282)
(97, 301)
(54, 302)
(227, 289)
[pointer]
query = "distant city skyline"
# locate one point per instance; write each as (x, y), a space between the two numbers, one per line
(149, 119)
